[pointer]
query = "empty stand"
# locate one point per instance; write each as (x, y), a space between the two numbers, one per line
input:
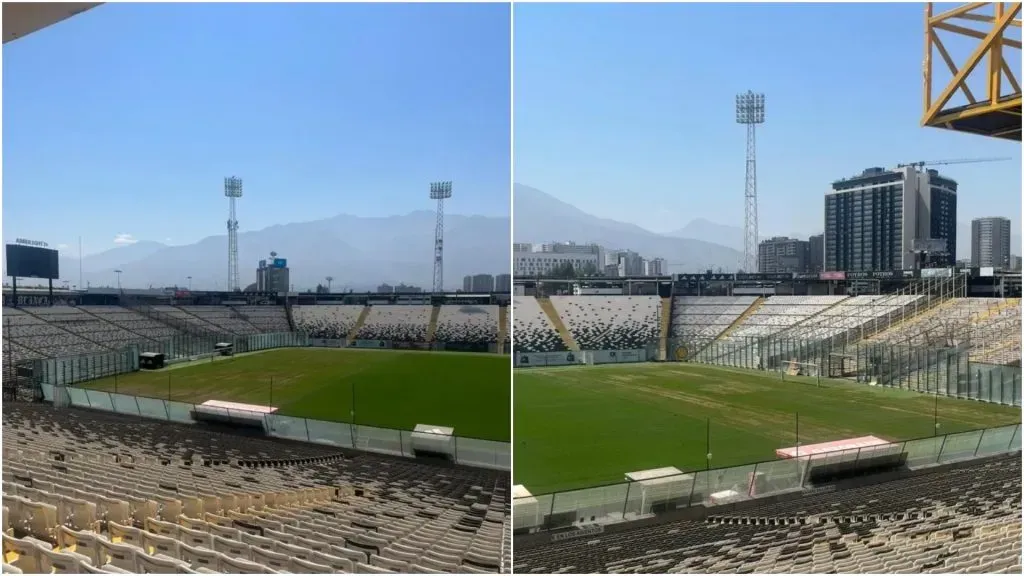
(610, 322)
(533, 331)
(328, 321)
(396, 323)
(966, 519)
(469, 323)
(95, 492)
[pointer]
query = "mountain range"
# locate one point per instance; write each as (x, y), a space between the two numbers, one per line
(540, 217)
(359, 253)
(701, 244)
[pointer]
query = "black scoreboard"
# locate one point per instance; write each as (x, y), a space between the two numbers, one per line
(32, 262)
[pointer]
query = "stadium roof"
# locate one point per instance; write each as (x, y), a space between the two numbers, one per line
(24, 18)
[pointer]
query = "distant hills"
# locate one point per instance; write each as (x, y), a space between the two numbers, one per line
(701, 244)
(359, 253)
(540, 217)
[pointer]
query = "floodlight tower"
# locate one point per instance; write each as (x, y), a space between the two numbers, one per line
(233, 190)
(439, 191)
(750, 111)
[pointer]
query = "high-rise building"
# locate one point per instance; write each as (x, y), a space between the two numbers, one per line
(535, 264)
(522, 247)
(503, 283)
(780, 255)
(890, 220)
(478, 283)
(629, 263)
(272, 275)
(816, 253)
(990, 242)
(654, 267)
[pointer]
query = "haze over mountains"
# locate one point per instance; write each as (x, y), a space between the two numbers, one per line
(359, 253)
(701, 244)
(540, 217)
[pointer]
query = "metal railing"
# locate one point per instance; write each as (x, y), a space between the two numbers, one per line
(632, 500)
(468, 451)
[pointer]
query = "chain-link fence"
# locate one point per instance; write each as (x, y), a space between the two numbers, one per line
(84, 367)
(943, 370)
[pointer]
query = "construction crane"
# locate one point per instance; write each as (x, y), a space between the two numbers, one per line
(924, 163)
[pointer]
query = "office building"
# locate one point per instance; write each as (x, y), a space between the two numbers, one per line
(400, 289)
(990, 242)
(896, 219)
(780, 255)
(816, 253)
(503, 283)
(537, 264)
(272, 275)
(626, 262)
(478, 283)
(654, 267)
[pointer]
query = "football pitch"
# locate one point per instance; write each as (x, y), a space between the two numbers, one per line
(390, 388)
(584, 426)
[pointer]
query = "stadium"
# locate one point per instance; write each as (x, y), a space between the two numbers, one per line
(835, 422)
(252, 431)
(730, 390)
(264, 436)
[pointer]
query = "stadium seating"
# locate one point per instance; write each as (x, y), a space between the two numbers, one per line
(703, 318)
(781, 312)
(267, 319)
(225, 318)
(990, 326)
(470, 323)
(856, 313)
(966, 519)
(138, 496)
(329, 321)
(396, 323)
(132, 321)
(193, 320)
(32, 332)
(533, 329)
(610, 322)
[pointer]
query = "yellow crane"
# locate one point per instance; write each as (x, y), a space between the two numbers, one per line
(996, 112)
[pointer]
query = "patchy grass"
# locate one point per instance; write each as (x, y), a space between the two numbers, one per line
(589, 425)
(390, 388)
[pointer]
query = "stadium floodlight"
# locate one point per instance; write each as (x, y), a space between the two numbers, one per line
(750, 111)
(439, 191)
(233, 191)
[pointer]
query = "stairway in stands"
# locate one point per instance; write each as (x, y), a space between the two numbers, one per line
(742, 318)
(432, 327)
(502, 328)
(556, 321)
(666, 323)
(357, 326)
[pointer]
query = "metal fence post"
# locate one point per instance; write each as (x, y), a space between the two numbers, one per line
(978, 447)
(625, 503)
(942, 447)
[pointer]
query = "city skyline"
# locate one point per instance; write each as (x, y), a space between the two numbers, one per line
(625, 123)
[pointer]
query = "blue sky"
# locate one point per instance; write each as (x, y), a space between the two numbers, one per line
(628, 111)
(124, 120)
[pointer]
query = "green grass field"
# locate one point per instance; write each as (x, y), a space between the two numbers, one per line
(584, 426)
(393, 389)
